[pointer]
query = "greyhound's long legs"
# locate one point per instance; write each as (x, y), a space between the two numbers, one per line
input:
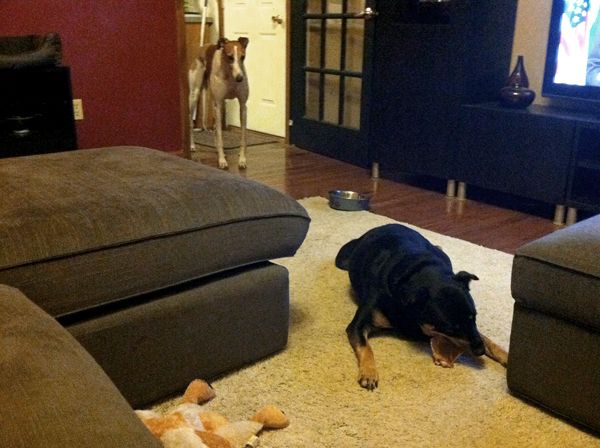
(243, 119)
(204, 96)
(195, 75)
(193, 100)
(219, 133)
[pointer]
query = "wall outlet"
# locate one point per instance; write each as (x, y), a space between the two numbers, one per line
(78, 109)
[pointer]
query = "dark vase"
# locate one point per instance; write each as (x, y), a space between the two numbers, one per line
(516, 92)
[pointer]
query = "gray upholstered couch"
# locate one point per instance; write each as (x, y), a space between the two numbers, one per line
(52, 392)
(158, 266)
(555, 341)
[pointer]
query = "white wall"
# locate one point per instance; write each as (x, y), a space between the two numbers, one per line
(531, 36)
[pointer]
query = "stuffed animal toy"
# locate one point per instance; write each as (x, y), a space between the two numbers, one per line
(190, 425)
(199, 392)
(271, 417)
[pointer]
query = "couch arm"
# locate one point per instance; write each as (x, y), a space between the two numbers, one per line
(52, 392)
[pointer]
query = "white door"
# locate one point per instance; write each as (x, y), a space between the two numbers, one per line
(263, 22)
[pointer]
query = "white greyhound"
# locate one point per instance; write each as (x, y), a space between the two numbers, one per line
(220, 69)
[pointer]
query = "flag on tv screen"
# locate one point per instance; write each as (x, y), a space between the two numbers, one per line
(573, 52)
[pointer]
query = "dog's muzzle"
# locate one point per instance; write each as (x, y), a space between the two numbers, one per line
(475, 341)
(239, 78)
(477, 347)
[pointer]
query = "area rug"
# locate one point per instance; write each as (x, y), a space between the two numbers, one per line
(417, 403)
(231, 139)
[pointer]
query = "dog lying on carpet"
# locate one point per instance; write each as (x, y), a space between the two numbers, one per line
(405, 283)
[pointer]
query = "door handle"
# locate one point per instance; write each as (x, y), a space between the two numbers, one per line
(367, 14)
(277, 19)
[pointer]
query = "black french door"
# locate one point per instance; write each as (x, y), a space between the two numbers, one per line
(331, 77)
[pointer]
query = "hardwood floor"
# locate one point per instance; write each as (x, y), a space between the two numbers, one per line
(302, 174)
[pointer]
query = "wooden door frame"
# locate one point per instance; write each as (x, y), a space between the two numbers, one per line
(288, 64)
(184, 113)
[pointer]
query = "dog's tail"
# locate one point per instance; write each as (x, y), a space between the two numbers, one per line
(342, 261)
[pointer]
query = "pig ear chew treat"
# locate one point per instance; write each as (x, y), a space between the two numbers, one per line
(445, 351)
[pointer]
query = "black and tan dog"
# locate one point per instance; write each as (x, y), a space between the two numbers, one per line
(405, 283)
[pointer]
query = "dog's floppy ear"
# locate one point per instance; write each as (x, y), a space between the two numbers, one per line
(244, 41)
(344, 256)
(465, 277)
(221, 42)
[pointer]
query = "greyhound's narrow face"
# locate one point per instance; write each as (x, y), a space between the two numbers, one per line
(234, 53)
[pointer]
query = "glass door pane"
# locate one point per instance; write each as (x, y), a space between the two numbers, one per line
(333, 43)
(355, 31)
(331, 78)
(334, 60)
(314, 6)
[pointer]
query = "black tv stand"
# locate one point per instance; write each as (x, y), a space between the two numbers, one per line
(542, 153)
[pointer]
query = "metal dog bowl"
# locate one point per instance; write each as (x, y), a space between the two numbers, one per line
(348, 200)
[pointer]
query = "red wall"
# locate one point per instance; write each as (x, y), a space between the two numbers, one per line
(124, 65)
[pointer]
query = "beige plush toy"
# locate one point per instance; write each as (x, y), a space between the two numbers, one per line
(271, 417)
(199, 392)
(212, 420)
(190, 425)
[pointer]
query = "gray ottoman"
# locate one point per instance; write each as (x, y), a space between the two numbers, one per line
(159, 266)
(555, 341)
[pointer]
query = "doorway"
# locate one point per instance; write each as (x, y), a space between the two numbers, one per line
(264, 22)
(265, 62)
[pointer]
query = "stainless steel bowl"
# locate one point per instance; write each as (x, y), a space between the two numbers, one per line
(348, 200)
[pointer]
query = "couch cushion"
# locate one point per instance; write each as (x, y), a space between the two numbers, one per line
(85, 228)
(559, 274)
(53, 393)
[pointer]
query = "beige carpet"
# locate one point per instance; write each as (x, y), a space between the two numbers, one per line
(417, 404)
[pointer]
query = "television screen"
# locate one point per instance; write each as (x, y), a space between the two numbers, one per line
(573, 53)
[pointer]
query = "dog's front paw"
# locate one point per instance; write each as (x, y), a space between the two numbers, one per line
(368, 378)
(223, 163)
(242, 163)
